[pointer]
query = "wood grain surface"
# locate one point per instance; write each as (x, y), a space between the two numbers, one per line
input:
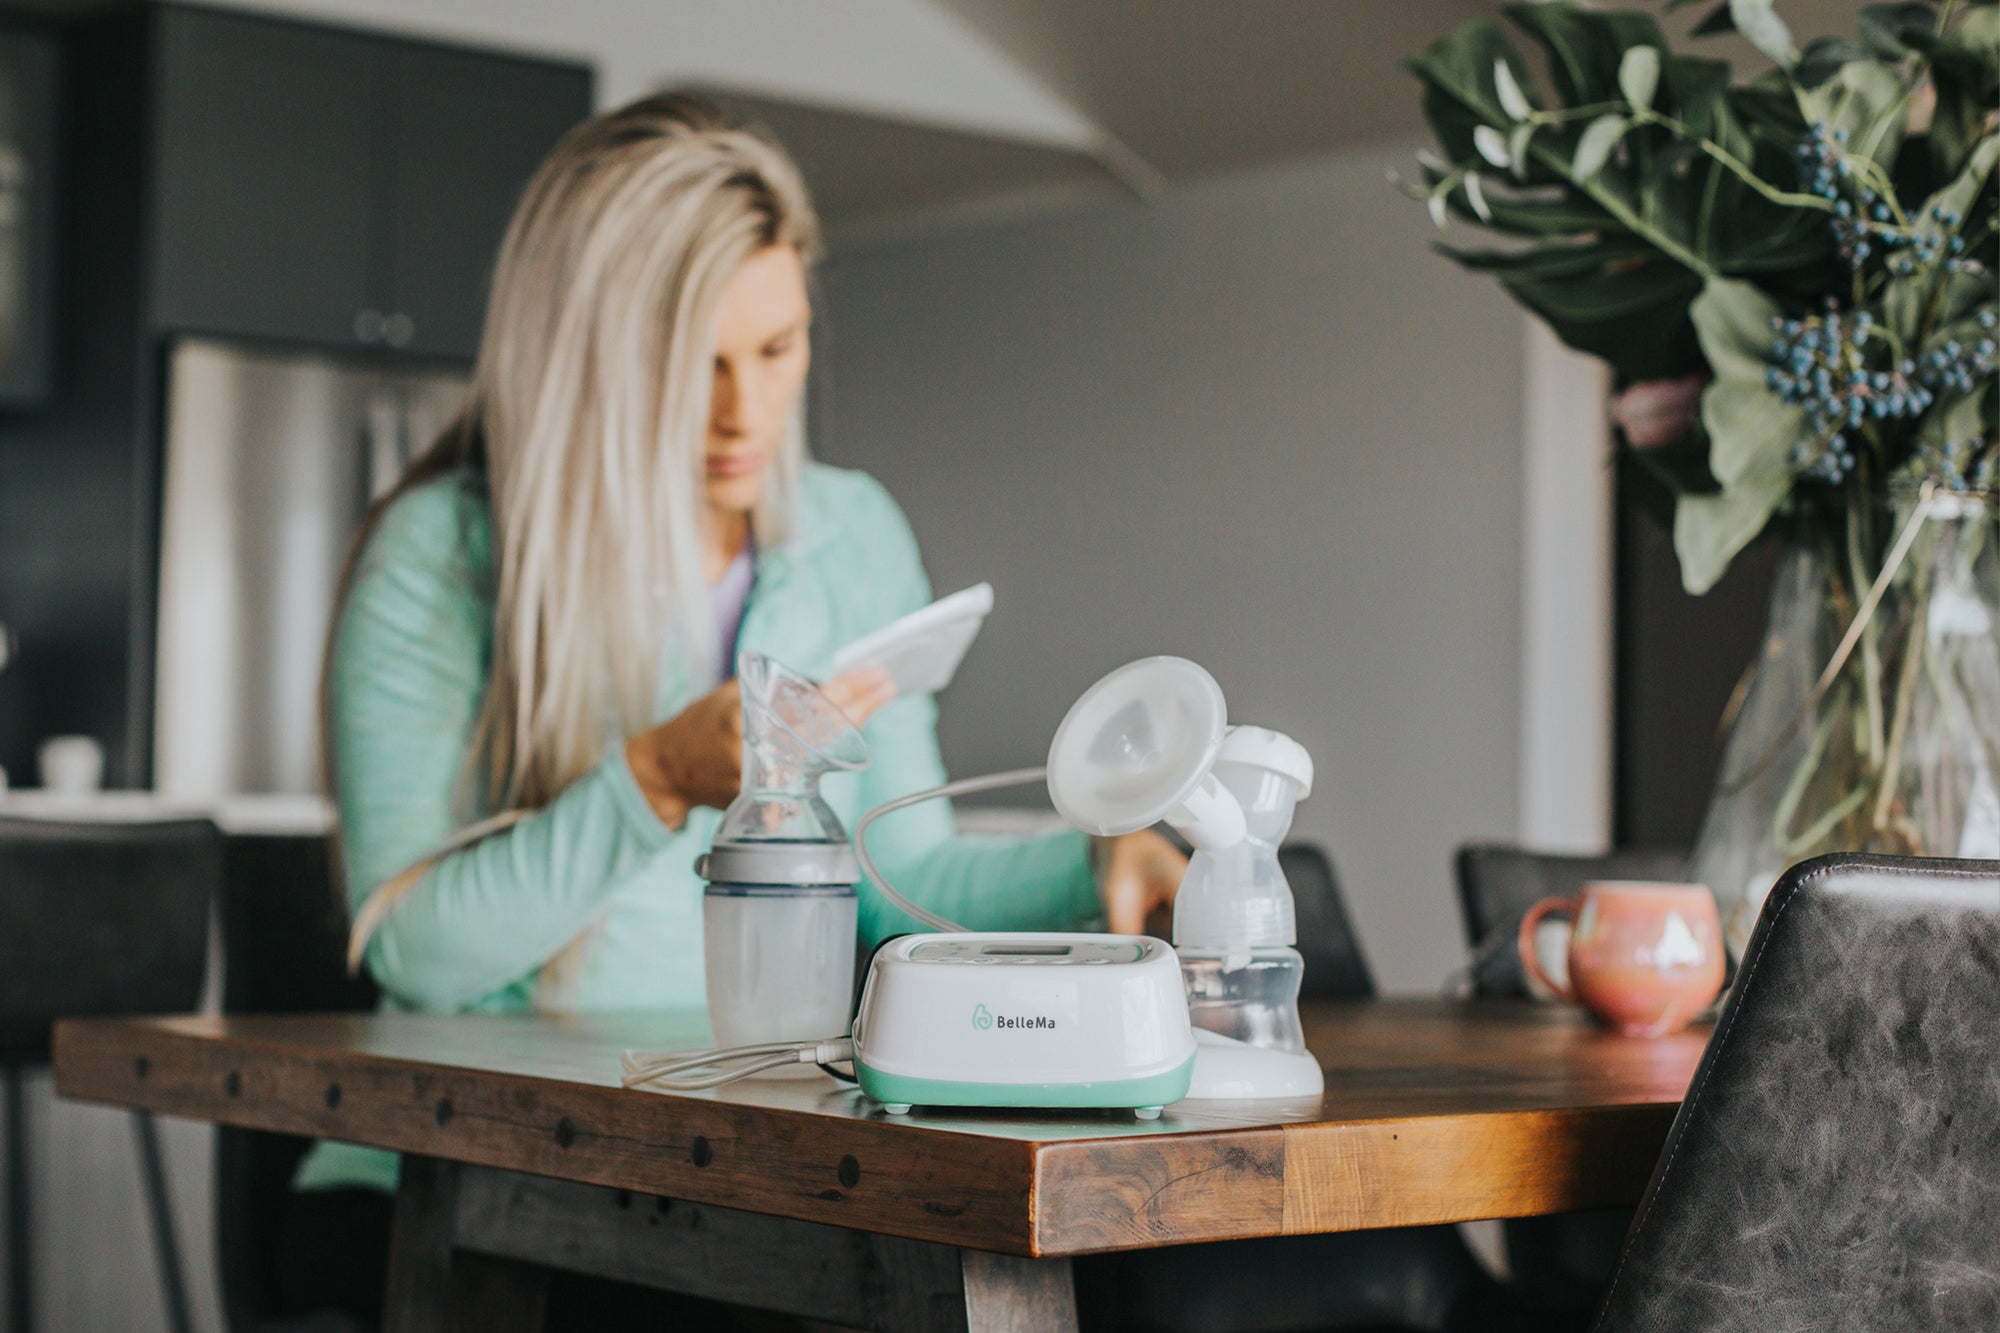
(1434, 1111)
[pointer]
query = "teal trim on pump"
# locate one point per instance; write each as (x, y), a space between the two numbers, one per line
(1123, 1093)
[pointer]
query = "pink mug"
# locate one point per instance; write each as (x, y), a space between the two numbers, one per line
(1645, 958)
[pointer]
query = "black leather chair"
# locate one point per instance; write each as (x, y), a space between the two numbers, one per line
(284, 941)
(1836, 1164)
(1335, 967)
(1408, 1278)
(97, 919)
(1559, 1266)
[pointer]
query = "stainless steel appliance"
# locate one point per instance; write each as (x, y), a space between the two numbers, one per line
(271, 461)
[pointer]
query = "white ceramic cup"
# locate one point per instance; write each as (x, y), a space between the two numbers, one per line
(71, 765)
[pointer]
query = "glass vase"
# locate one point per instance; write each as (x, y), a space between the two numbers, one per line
(1871, 718)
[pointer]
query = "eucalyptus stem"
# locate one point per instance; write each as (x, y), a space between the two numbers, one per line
(1871, 656)
(1729, 160)
(1906, 692)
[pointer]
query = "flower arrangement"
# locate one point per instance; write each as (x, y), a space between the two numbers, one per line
(1810, 252)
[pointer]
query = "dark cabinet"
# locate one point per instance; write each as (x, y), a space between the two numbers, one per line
(29, 64)
(264, 176)
(470, 131)
(335, 188)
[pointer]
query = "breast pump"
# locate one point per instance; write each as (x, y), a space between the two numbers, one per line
(969, 1018)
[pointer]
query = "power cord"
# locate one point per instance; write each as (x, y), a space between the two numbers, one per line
(692, 1071)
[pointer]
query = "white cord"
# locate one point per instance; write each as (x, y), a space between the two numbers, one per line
(1018, 777)
(692, 1071)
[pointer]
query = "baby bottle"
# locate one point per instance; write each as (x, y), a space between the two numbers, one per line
(778, 914)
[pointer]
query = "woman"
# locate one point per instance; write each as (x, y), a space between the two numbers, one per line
(625, 502)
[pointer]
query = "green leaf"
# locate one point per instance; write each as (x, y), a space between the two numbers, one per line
(1823, 58)
(1953, 421)
(1886, 29)
(1512, 100)
(1907, 300)
(1709, 530)
(1584, 46)
(1618, 299)
(1517, 148)
(1697, 91)
(1751, 430)
(1475, 195)
(1734, 321)
(1965, 72)
(1957, 197)
(1716, 21)
(1593, 150)
(1639, 75)
(1540, 214)
(1762, 28)
(1459, 94)
(1867, 100)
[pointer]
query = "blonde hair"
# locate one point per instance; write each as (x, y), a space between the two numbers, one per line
(590, 410)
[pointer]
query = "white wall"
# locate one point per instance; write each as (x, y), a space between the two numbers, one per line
(1257, 423)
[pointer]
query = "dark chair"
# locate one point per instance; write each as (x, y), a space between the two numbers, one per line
(284, 943)
(1559, 1265)
(1837, 1161)
(1335, 969)
(1407, 1278)
(97, 919)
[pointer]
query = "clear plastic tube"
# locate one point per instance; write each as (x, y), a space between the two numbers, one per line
(1019, 777)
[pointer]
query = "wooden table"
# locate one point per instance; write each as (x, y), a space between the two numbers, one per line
(804, 1197)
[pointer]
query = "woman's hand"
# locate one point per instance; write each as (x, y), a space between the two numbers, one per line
(696, 757)
(693, 758)
(1141, 872)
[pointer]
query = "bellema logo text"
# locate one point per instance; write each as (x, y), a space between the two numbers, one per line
(984, 1018)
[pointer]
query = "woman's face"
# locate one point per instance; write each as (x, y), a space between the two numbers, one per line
(761, 355)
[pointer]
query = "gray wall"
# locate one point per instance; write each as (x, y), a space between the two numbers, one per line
(1255, 422)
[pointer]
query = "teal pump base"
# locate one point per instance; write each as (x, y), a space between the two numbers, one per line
(1146, 1096)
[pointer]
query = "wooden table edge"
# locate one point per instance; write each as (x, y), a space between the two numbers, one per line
(814, 1168)
(1019, 1196)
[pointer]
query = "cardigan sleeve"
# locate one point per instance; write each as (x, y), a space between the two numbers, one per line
(409, 662)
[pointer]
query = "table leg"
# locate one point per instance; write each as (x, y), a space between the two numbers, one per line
(436, 1287)
(1007, 1294)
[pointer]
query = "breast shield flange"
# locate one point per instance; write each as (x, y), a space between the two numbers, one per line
(1137, 748)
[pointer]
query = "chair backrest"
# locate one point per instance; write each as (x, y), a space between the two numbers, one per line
(1836, 1163)
(1497, 884)
(284, 939)
(1335, 967)
(100, 918)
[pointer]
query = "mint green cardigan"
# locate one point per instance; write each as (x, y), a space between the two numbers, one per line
(410, 658)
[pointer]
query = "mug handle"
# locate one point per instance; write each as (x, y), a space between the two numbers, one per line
(1525, 941)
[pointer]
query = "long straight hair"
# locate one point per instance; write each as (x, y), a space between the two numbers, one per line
(589, 420)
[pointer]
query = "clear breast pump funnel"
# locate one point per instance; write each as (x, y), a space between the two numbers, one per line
(792, 737)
